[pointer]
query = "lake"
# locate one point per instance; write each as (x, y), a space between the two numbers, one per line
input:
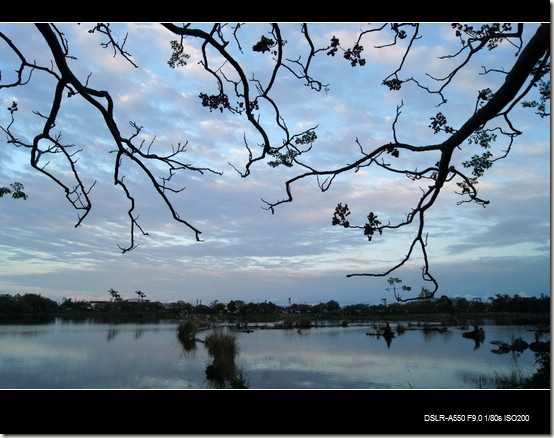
(91, 355)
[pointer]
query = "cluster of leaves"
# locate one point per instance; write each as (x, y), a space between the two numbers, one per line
(334, 46)
(492, 33)
(393, 151)
(214, 102)
(15, 189)
(13, 108)
(306, 138)
(288, 158)
(541, 71)
(544, 100)
(395, 280)
(354, 55)
(178, 56)
(483, 138)
(340, 217)
(371, 226)
(401, 33)
(484, 96)
(285, 159)
(264, 45)
(394, 84)
(479, 163)
(439, 123)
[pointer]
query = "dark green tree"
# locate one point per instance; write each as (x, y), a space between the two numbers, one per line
(141, 295)
(332, 306)
(444, 304)
(114, 295)
(232, 306)
(35, 304)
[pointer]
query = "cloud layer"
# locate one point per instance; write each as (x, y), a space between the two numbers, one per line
(249, 253)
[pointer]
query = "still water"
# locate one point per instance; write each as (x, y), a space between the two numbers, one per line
(87, 355)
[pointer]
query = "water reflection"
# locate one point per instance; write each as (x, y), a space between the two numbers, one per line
(188, 344)
(112, 333)
(384, 331)
(138, 356)
(477, 334)
(138, 333)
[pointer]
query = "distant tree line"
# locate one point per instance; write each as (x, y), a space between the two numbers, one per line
(36, 305)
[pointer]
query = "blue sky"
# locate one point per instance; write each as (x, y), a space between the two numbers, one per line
(248, 253)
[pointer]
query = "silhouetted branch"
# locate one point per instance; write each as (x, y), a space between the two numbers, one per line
(532, 58)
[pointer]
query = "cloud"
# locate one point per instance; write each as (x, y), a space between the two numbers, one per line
(518, 232)
(249, 253)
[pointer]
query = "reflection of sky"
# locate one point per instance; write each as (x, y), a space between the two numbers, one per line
(85, 356)
(339, 358)
(82, 356)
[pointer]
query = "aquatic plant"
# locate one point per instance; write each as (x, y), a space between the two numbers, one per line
(187, 329)
(222, 372)
(517, 379)
(186, 333)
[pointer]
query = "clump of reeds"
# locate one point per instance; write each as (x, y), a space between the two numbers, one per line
(222, 345)
(223, 348)
(238, 381)
(187, 329)
(186, 332)
(516, 379)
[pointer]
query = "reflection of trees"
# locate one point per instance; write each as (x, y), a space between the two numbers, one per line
(112, 332)
(138, 333)
(189, 348)
(388, 334)
(186, 332)
(385, 331)
(29, 333)
(187, 344)
(430, 332)
(477, 334)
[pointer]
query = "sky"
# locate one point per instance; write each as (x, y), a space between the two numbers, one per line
(248, 253)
